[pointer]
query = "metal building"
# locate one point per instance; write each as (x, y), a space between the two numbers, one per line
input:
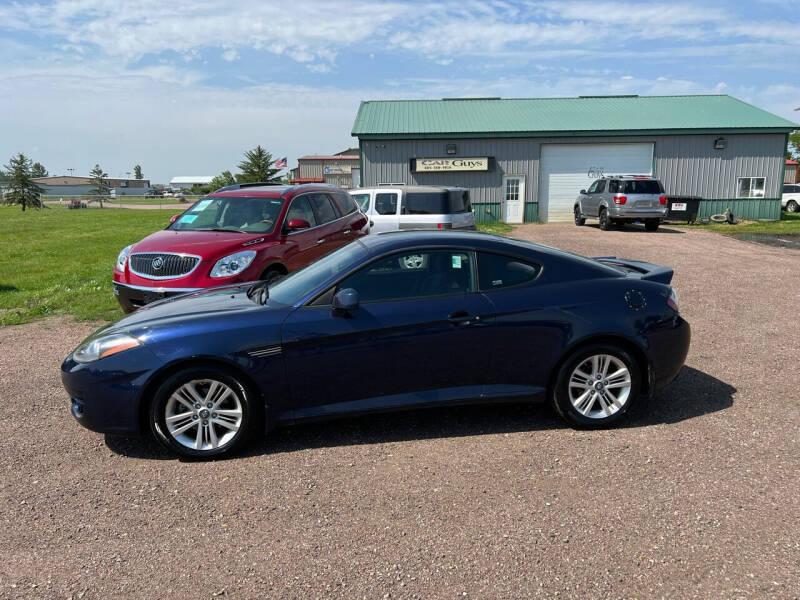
(339, 169)
(525, 160)
(65, 186)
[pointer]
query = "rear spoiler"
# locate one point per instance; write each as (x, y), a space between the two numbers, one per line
(645, 270)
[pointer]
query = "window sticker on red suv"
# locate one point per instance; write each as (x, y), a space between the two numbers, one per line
(201, 205)
(188, 218)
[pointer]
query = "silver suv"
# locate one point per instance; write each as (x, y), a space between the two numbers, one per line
(619, 199)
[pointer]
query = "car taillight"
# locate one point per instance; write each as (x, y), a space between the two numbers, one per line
(620, 199)
(444, 226)
(662, 200)
(672, 301)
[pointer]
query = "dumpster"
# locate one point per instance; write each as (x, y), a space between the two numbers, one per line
(682, 208)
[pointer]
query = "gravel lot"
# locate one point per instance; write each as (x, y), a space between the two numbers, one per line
(695, 496)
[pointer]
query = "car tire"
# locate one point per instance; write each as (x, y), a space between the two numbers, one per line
(617, 393)
(605, 220)
(579, 219)
(651, 224)
(792, 206)
(272, 275)
(202, 412)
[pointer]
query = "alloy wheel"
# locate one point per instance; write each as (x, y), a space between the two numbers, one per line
(203, 414)
(599, 386)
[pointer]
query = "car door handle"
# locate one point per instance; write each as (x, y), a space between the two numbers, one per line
(461, 317)
(346, 232)
(321, 241)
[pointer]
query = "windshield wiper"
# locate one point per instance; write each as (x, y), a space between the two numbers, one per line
(218, 229)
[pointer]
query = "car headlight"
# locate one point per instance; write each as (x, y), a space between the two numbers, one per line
(233, 264)
(122, 257)
(95, 349)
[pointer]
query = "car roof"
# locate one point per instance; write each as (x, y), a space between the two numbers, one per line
(273, 191)
(628, 177)
(408, 188)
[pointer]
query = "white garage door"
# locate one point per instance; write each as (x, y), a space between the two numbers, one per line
(566, 169)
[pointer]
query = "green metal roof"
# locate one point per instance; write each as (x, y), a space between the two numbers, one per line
(618, 115)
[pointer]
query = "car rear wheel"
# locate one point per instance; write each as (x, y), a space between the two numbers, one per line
(579, 219)
(605, 220)
(596, 386)
(792, 206)
(651, 225)
(202, 412)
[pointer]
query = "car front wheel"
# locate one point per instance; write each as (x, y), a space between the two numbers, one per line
(792, 206)
(579, 219)
(596, 386)
(202, 412)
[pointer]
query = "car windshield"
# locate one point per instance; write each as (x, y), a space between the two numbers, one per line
(641, 186)
(246, 215)
(294, 286)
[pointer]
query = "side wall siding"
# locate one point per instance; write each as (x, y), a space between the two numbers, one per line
(688, 165)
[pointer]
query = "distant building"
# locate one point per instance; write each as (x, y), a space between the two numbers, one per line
(71, 185)
(341, 169)
(185, 182)
(790, 171)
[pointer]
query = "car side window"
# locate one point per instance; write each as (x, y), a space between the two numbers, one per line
(362, 200)
(601, 186)
(413, 274)
(301, 209)
(496, 271)
(593, 188)
(323, 208)
(613, 186)
(346, 203)
(386, 204)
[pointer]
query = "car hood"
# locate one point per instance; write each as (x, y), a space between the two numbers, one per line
(229, 303)
(206, 244)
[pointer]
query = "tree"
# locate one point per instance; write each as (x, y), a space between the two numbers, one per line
(38, 170)
(137, 172)
(257, 167)
(101, 187)
(793, 147)
(221, 180)
(20, 188)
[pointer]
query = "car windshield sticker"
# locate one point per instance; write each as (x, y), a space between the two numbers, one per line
(187, 219)
(201, 206)
(456, 261)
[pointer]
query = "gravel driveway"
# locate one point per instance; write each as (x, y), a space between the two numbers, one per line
(697, 495)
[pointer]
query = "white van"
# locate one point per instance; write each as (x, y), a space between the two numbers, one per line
(415, 207)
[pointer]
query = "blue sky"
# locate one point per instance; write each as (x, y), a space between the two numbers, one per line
(184, 87)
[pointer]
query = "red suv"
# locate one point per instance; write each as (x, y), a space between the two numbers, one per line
(239, 233)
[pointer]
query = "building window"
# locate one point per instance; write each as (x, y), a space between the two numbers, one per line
(750, 187)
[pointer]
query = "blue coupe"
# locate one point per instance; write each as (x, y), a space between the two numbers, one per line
(391, 321)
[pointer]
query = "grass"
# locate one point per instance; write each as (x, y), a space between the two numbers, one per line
(789, 223)
(59, 261)
(496, 227)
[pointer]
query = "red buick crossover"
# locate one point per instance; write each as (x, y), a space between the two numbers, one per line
(239, 233)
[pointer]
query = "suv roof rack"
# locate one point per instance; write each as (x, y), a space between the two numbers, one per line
(238, 186)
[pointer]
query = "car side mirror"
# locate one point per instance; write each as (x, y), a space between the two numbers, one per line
(173, 218)
(344, 301)
(583, 191)
(296, 224)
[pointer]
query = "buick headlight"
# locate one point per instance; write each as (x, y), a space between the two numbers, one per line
(233, 264)
(97, 348)
(122, 257)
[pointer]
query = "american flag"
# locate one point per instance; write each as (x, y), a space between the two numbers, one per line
(282, 163)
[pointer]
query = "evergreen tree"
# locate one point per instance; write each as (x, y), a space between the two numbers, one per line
(101, 188)
(137, 172)
(257, 167)
(221, 180)
(19, 187)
